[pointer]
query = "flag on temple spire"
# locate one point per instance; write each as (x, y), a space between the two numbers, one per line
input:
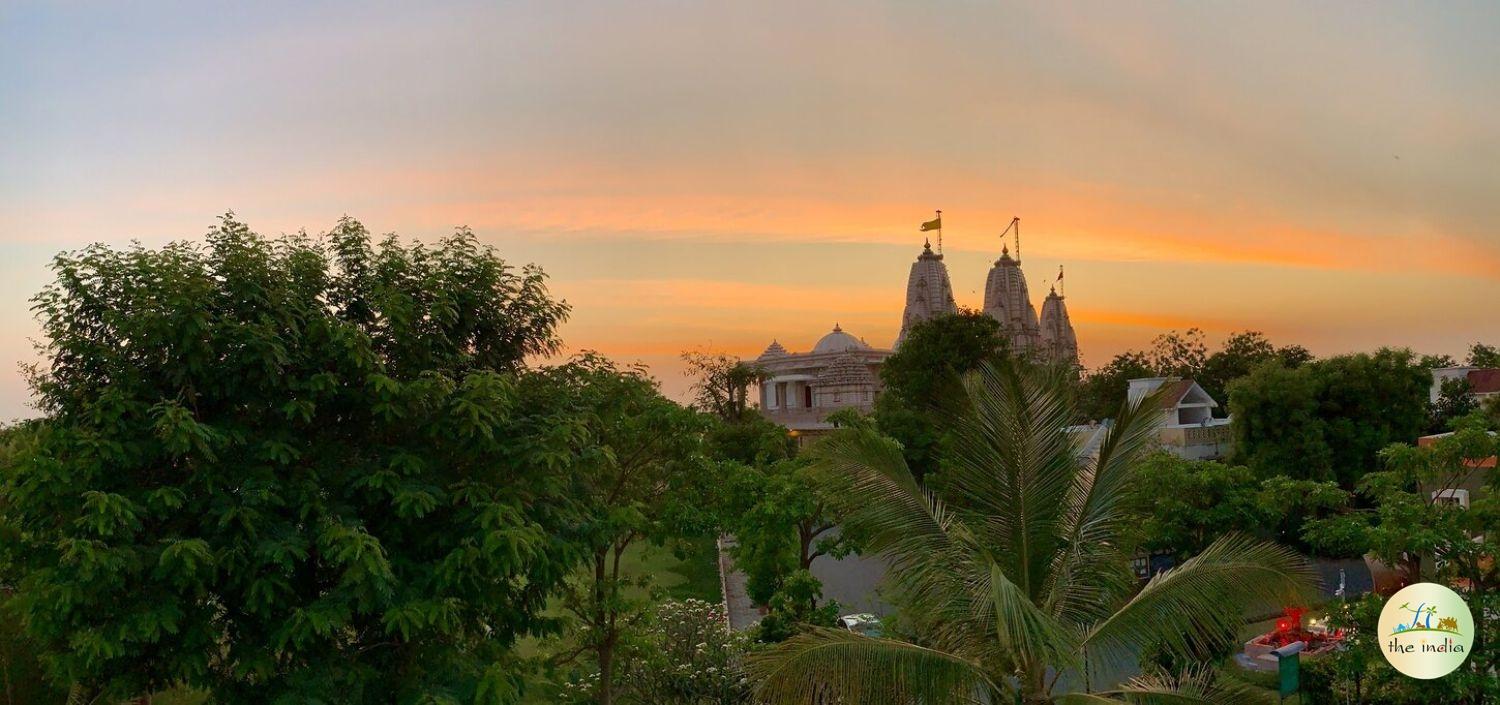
(934, 224)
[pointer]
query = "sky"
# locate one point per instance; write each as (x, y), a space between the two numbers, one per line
(712, 176)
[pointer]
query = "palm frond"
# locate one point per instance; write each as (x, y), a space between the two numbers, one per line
(1195, 607)
(865, 475)
(1011, 464)
(1025, 632)
(1199, 686)
(835, 666)
(1089, 575)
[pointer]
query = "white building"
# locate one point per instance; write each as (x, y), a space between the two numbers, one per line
(929, 294)
(800, 390)
(1187, 425)
(1484, 382)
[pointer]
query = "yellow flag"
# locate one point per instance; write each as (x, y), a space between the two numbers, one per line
(934, 224)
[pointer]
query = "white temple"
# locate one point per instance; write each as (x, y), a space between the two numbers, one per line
(1006, 300)
(800, 390)
(929, 294)
(1059, 343)
(841, 371)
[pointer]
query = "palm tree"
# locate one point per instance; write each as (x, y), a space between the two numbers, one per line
(1014, 576)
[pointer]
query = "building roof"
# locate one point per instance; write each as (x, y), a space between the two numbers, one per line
(1484, 381)
(773, 350)
(839, 341)
(1175, 391)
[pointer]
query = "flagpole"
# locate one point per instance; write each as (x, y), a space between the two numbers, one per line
(940, 231)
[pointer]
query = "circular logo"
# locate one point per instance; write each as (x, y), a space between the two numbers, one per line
(1426, 630)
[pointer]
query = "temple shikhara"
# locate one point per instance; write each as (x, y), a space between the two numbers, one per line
(842, 371)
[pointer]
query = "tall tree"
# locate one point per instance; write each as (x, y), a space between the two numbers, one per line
(1016, 570)
(1455, 401)
(1179, 354)
(1102, 391)
(1481, 355)
(1241, 353)
(1277, 426)
(782, 522)
(925, 371)
(635, 479)
(721, 384)
(291, 470)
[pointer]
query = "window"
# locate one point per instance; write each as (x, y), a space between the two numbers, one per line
(807, 396)
(1454, 498)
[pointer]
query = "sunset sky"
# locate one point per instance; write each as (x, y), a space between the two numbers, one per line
(704, 175)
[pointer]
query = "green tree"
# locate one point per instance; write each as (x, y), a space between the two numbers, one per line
(1188, 504)
(752, 440)
(1327, 419)
(1310, 515)
(292, 470)
(1368, 401)
(721, 384)
(1455, 401)
(1277, 427)
(924, 372)
(1102, 392)
(1241, 353)
(636, 481)
(1179, 354)
(1481, 355)
(1016, 568)
(1415, 520)
(781, 522)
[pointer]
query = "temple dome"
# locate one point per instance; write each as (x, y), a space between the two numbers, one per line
(839, 341)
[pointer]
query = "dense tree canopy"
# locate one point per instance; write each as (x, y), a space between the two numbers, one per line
(1326, 420)
(292, 470)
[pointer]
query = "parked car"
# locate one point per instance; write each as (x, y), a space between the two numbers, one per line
(862, 623)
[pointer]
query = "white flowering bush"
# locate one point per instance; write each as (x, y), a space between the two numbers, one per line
(683, 654)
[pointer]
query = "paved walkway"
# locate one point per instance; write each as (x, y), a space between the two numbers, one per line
(852, 581)
(741, 612)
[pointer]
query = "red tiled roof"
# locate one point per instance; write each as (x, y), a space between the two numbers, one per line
(1174, 393)
(1486, 381)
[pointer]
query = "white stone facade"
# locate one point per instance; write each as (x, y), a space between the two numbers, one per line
(800, 390)
(929, 293)
(1007, 301)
